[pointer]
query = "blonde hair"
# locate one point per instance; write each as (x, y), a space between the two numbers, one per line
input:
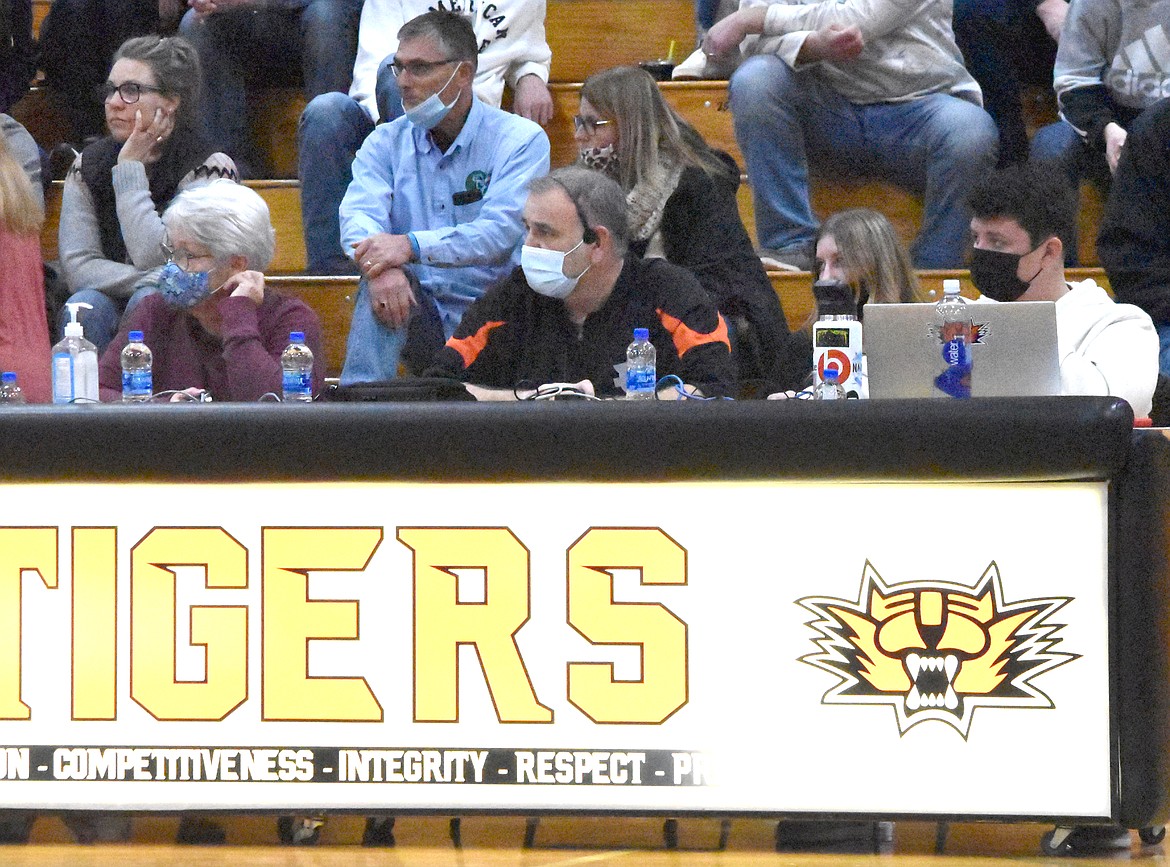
(647, 127)
(20, 212)
(871, 253)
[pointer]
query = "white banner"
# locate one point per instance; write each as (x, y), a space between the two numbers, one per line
(774, 647)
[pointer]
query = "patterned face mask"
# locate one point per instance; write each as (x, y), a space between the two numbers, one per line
(183, 289)
(603, 159)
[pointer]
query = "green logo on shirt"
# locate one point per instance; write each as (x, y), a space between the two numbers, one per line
(477, 182)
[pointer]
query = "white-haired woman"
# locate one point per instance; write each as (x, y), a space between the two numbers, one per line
(214, 327)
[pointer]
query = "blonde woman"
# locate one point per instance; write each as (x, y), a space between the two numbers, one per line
(860, 248)
(24, 331)
(682, 207)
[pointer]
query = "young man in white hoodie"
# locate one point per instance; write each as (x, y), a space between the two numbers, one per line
(1020, 214)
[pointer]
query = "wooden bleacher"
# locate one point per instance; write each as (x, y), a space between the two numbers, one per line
(585, 36)
(333, 297)
(618, 31)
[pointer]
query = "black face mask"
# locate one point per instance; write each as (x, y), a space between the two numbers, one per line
(994, 274)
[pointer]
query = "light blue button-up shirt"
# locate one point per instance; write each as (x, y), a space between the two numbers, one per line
(463, 207)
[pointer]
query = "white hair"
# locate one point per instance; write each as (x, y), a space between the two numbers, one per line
(227, 218)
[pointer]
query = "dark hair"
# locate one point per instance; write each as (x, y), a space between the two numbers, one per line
(452, 31)
(175, 65)
(1036, 195)
(598, 199)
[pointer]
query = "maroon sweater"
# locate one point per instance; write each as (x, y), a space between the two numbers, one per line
(243, 365)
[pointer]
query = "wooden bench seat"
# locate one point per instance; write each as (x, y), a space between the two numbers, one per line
(332, 298)
(284, 204)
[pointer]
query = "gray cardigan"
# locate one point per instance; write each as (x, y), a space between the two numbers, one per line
(83, 263)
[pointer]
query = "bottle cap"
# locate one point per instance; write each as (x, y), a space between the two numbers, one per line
(950, 287)
(641, 333)
(8, 377)
(296, 337)
(135, 336)
(831, 375)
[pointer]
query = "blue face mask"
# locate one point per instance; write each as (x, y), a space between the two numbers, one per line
(183, 289)
(430, 112)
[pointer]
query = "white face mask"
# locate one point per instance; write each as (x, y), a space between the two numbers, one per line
(430, 112)
(545, 271)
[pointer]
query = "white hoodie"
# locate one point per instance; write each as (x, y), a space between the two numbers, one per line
(1106, 347)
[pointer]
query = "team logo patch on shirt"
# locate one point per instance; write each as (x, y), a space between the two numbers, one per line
(477, 182)
(474, 187)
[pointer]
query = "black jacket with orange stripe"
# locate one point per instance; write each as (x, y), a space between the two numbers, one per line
(513, 336)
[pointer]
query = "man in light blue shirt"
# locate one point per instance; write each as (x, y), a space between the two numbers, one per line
(433, 215)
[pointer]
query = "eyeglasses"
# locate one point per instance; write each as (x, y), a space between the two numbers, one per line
(130, 91)
(419, 68)
(588, 125)
(181, 257)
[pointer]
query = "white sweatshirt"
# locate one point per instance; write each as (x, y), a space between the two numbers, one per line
(1106, 347)
(511, 37)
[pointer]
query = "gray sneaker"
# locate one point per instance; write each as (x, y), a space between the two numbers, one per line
(791, 259)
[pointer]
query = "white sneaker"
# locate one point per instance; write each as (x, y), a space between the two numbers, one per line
(691, 68)
(700, 67)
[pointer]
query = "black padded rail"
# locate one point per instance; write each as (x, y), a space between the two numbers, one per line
(1140, 631)
(1060, 438)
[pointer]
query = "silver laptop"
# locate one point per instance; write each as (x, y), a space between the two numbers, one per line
(1014, 354)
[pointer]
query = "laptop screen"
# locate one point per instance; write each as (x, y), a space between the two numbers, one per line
(1014, 354)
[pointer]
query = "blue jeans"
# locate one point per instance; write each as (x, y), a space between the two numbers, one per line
(986, 33)
(706, 13)
(331, 130)
(373, 351)
(936, 146)
(101, 323)
(1164, 348)
(314, 45)
(1059, 145)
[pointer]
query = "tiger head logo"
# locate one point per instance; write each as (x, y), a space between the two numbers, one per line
(936, 650)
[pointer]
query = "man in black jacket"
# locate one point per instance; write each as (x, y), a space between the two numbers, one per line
(568, 313)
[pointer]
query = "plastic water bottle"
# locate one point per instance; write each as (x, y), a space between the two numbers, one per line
(297, 364)
(956, 333)
(830, 388)
(641, 376)
(10, 392)
(137, 380)
(75, 363)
